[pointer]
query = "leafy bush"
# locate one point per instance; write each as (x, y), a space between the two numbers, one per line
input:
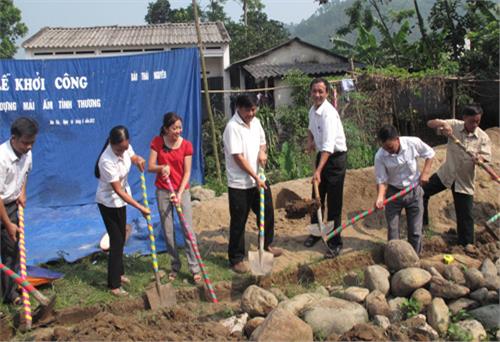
(360, 152)
(411, 307)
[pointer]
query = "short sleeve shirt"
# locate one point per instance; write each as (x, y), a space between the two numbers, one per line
(401, 169)
(173, 158)
(459, 166)
(327, 129)
(113, 168)
(13, 172)
(242, 139)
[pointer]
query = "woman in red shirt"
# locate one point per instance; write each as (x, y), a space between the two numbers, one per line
(171, 156)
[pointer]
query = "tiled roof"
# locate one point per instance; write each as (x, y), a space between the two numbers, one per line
(261, 71)
(119, 36)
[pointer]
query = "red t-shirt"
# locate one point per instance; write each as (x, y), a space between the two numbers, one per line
(174, 158)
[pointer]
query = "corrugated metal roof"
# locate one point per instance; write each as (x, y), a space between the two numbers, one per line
(261, 71)
(119, 36)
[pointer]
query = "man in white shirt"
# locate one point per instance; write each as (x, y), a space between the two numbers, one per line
(15, 164)
(326, 136)
(245, 150)
(396, 168)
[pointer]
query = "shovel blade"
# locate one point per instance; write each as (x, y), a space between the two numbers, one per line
(161, 296)
(260, 263)
(315, 230)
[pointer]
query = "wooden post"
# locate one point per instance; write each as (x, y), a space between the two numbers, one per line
(207, 95)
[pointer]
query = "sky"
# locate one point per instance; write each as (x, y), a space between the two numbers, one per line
(73, 13)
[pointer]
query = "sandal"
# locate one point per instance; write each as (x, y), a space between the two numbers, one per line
(197, 278)
(172, 276)
(125, 280)
(119, 292)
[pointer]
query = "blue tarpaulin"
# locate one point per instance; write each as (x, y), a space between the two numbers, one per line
(76, 102)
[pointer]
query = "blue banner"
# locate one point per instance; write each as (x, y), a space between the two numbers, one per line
(77, 101)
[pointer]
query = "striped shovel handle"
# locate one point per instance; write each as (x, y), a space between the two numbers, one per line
(24, 273)
(150, 229)
(192, 241)
(493, 218)
(482, 165)
(366, 213)
(261, 211)
(25, 285)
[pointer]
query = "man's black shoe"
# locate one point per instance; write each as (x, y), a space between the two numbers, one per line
(311, 240)
(333, 252)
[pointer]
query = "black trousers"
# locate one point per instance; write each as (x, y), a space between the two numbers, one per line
(240, 203)
(331, 189)
(115, 220)
(463, 209)
(9, 251)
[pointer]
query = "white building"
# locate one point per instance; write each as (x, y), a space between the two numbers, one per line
(102, 41)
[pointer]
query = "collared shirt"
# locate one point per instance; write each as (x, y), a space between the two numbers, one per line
(13, 172)
(327, 129)
(401, 169)
(459, 166)
(113, 168)
(242, 139)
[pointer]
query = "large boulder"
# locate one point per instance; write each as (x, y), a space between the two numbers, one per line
(462, 304)
(454, 274)
(438, 315)
(488, 315)
(376, 304)
(422, 296)
(257, 301)
(488, 268)
(440, 287)
(353, 294)
(298, 303)
(497, 265)
(474, 279)
(377, 278)
(475, 328)
(282, 325)
(252, 324)
(334, 315)
(399, 254)
(362, 332)
(492, 282)
(407, 280)
(480, 295)
(201, 194)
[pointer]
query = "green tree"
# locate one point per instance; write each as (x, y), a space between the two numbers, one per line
(215, 11)
(11, 28)
(158, 12)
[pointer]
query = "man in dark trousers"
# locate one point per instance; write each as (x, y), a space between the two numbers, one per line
(326, 136)
(15, 164)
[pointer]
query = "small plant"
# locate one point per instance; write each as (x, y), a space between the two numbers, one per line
(411, 307)
(460, 316)
(457, 333)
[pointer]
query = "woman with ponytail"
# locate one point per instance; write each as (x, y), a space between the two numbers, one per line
(113, 195)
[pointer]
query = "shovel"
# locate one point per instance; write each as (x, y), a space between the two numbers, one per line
(319, 214)
(159, 296)
(490, 226)
(261, 262)
(24, 274)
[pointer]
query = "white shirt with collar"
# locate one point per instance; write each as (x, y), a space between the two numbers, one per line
(13, 172)
(401, 169)
(327, 129)
(242, 139)
(113, 168)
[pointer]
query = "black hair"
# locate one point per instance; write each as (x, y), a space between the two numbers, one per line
(24, 126)
(387, 132)
(320, 80)
(117, 135)
(472, 110)
(169, 119)
(246, 101)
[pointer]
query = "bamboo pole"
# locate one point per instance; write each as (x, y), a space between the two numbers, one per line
(207, 97)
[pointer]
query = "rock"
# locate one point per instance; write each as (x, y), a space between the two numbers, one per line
(475, 328)
(492, 282)
(454, 274)
(497, 265)
(351, 279)
(399, 254)
(492, 297)
(376, 304)
(364, 332)
(354, 294)
(297, 304)
(396, 313)
(235, 324)
(377, 278)
(447, 289)
(488, 268)
(422, 296)
(321, 290)
(280, 296)
(438, 315)
(488, 315)
(434, 272)
(252, 324)
(258, 302)
(201, 194)
(334, 315)
(462, 304)
(419, 330)
(381, 321)
(282, 325)
(407, 280)
(474, 279)
(480, 295)
(461, 260)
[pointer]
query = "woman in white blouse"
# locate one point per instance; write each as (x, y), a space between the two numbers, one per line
(113, 195)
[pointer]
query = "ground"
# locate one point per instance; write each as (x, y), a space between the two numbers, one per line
(193, 319)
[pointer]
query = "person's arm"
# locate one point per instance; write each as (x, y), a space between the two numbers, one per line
(262, 157)
(138, 161)
(21, 200)
(117, 187)
(426, 152)
(381, 191)
(188, 161)
(12, 229)
(310, 142)
(426, 171)
(440, 125)
(245, 166)
(322, 162)
(153, 167)
(381, 178)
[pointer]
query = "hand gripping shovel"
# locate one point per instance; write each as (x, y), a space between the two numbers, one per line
(261, 262)
(161, 295)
